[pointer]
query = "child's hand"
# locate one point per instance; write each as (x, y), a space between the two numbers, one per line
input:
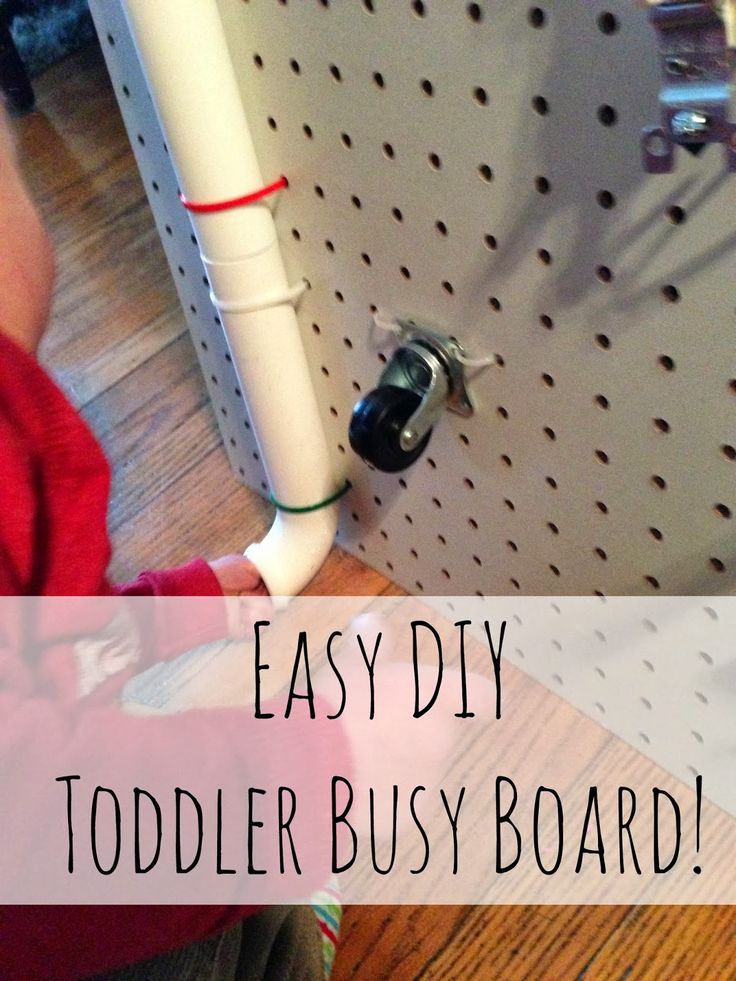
(238, 577)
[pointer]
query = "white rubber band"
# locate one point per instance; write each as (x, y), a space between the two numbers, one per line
(292, 296)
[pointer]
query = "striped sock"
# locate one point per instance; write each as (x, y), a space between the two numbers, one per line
(327, 906)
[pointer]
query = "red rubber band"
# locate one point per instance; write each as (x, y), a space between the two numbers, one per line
(206, 207)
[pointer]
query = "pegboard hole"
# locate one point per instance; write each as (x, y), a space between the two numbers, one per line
(432, 463)
(502, 411)
(542, 185)
(414, 554)
(602, 402)
(601, 554)
(676, 214)
(473, 524)
(397, 216)
(554, 570)
(475, 12)
(670, 293)
(607, 23)
(512, 545)
(548, 380)
(448, 287)
(494, 303)
(434, 161)
(405, 272)
(418, 7)
(537, 17)
(490, 242)
(603, 341)
(441, 227)
(722, 510)
(667, 362)
(295, 66)
(272, 123)
(485, 173)
(480, 95)
(550, 433)
(602, 456)
(365, 259)
(388, 151)
(728, 451)
(427, 87)
(717, 565)
(441, 539)
(336, 73)
(602, 507)
(347, 140)
(659, 482)
(378, 80)
(329, 245)
(553, 528)
(661, 425)
(509, 504)
(604, 274)
(463, 439)
(307, 130)
(551, 482)
(606, 200)
(257, 60)
(656, 534)
(540, 105)
(652, 582)
(544, 257)
(546, 321)
(506, 460)
(296, 234)
(607, 115)
(469, 483)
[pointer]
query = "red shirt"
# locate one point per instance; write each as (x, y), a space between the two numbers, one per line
(54, 486)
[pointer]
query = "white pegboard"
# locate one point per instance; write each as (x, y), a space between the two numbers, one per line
(476, 166)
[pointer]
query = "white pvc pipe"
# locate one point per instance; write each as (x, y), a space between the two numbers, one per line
(184, 53)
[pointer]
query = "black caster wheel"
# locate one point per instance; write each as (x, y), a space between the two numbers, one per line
(376, 426)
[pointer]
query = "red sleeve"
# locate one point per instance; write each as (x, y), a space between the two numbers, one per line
(177, 628)
(39, 739)
(196, 578)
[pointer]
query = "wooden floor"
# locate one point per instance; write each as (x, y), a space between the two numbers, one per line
(119, 346)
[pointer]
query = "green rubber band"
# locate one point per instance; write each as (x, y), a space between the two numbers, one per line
(307, 509)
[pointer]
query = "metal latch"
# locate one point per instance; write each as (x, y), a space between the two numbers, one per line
(697, 58)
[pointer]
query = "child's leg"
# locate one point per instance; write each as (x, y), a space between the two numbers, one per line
(281, 943)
